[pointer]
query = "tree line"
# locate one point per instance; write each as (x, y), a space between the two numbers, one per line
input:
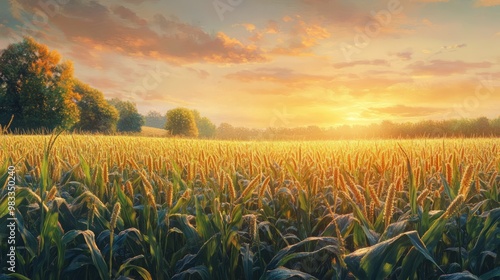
(479, 127)
(38, 91)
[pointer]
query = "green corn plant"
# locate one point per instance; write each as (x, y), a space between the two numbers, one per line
(96, 257)
(378, 261)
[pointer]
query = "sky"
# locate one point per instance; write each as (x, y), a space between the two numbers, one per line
(282, 63)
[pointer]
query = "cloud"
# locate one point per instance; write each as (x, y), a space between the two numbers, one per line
(345, 13)
(121, 30)
(406, 111)
(373, 84)
(283, 76)
(427, 22)
(404, 55)
(272, 27)
(128, 15)
(270, 91)
(375, 62)
(345, 19)
(487, 3)
(478, 3)
(445, 91)
(443, 67)
(249, 26)
(489, 75)
(102, 83)
(445, 49)
(430, 1)
(202, 74)
(137, 2)
(454, 47)
(300, 37)
(291, 36)
(16, 9)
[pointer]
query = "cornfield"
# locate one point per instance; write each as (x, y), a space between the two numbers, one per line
(120, 207)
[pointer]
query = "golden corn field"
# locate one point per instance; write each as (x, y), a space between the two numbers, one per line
(120, 207)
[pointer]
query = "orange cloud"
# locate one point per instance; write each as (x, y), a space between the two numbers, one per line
(128, 15)
(249, 27)
(344, 13)
(137, 2)
(443, 67)
(121, 30)
(427, 22)
(403, 56)
(300, 37)
(102, 83)
(487, 3)
(202, 74)
(431, 1)
(283, 76)
(375, 62)
(272, 27)
(478, 3)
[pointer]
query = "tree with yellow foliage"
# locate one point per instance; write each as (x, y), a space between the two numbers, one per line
(36, 87)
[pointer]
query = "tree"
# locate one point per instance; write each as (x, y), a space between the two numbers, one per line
(206, 128)
(36, 87)
(181, 122)
(482, 126)
(96, 114)
(226, 131)
(154, 119)
(389, 128)
(129, 119)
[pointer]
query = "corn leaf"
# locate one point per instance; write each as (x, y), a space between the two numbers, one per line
(378, 261)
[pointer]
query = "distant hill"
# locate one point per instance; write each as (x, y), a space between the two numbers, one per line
(153, 131)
